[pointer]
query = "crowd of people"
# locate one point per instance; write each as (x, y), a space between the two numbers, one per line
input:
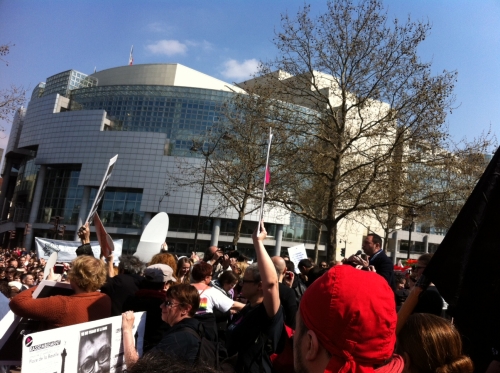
(20, 270)
(342, 317)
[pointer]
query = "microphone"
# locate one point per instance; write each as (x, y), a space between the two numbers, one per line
(359, 252)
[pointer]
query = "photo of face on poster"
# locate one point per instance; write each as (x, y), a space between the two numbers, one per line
(91, 347)
(94, 350)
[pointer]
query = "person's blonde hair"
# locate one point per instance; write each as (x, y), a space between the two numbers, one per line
(433, 345)
(164, 258)
(87, 272)
(242, 266)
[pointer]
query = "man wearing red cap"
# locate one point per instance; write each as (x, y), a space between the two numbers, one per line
(344, 327)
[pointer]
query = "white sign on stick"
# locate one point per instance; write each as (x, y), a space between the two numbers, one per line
(297, 253)
(51, 262)
(153, 237)
(100, 192)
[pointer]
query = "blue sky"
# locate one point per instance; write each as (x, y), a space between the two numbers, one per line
(225, 39)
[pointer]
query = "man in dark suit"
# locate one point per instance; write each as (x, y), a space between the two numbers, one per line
(372, 246)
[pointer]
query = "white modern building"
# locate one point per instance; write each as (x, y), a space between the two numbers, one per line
(148, 114)
(61, 143)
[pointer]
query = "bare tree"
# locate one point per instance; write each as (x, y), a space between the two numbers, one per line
(435, 182)
(355, 94)
(440, 182)
(11, 98)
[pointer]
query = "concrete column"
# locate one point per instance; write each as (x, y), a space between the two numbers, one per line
(279, 237)
(214, 241)
(83, 210)
(146, 219)
(37, 196)
(3, 193)
(426, 244)
(396, 247)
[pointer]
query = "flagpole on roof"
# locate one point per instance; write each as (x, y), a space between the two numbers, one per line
(131, 56)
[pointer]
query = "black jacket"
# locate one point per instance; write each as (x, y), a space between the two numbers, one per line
(119, 288)
(384, 267)
(179, 343)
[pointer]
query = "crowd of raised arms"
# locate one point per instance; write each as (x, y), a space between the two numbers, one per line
(224, 312)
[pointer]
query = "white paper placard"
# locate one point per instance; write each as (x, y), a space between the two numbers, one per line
(92, 343)
(296, 254)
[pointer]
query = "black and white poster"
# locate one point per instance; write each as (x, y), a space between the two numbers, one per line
(94, 346)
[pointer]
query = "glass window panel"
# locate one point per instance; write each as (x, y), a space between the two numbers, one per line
(121, 196)
(118, 205)
(71, 193)
(107, 205)
(109, 195)
(130, 206)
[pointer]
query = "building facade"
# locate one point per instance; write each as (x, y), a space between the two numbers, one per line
(149, 115)
(61, 143)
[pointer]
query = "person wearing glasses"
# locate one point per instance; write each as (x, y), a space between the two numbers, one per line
(95, 350)
(255, 331)
(178, 309)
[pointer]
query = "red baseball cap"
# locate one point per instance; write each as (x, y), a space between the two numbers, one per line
(353, 314)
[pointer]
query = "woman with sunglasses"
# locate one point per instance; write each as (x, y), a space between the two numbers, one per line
(254, 333)
(177, 310)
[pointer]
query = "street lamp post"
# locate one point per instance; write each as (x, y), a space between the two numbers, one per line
(412, 214)
(206, 154)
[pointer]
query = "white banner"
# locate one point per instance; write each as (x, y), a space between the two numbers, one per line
(94, 346)
(66, 250)
(296, 254)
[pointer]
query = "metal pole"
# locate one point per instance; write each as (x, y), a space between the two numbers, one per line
(409, 239)
(207, 154)
(201, 201)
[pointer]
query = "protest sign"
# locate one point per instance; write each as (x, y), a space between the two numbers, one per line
(296, 254)
(50, 264)
(48, 288)
(81, 347)
(100, 192)
(105, 240)
(66, 250)
(153, 237)
(13, 328)
(6, 318)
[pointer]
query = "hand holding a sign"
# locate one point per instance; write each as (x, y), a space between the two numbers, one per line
(128, 319)
(84, 233)
(131, 355)
(53, 276)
